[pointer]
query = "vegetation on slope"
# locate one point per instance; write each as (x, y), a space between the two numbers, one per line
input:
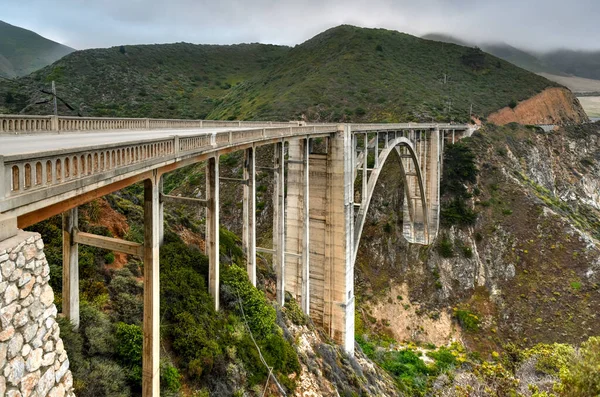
(349, 73)
(162, 81)
(23, 51)
(344, 74)
(199, 346)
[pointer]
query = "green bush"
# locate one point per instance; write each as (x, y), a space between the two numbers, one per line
(445, 247)
(259, 313)
(581, 376)
(129, 349)
(170, 378)
(467, 319)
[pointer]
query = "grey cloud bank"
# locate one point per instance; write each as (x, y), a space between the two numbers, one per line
(531, 24)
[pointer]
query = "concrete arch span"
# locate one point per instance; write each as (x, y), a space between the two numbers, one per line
(416, 225)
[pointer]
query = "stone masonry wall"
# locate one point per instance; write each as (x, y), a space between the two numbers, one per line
(33, 360)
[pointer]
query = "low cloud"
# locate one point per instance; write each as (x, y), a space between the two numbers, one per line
(534, 24)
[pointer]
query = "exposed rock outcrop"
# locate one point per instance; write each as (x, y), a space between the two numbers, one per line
(551, 106)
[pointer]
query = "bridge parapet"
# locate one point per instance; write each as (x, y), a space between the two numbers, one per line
(25, 124)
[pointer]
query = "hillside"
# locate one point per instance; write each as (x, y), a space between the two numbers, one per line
(554, 65)
(23, 51)
(375, 74)
(345, 73)
(165, 80)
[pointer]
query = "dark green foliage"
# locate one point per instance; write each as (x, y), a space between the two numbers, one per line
(129, 349)
(512, 104)
(259, 314)
(445, 247)
(474, 58)
(459, 168)
(293, 311)
(456, 212)
(409, 370)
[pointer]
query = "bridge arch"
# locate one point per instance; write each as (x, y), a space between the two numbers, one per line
(395, 145)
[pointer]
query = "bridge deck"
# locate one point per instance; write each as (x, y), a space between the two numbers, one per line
(74, 141)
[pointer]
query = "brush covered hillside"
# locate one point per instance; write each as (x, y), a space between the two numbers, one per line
(557, 65)
(345, 73)
(23, 51)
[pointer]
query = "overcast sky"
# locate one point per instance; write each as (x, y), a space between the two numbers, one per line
(532, 24)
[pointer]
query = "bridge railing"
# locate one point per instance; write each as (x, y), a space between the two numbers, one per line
(20, 124)
(32, 177)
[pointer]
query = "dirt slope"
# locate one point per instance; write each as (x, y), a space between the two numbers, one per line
(551, 106)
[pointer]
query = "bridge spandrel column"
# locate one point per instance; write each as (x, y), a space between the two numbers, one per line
(249, 209)
(279, 221)
(70, 291)
(331, 240)
(151, 327)
(212, 226)
(433, 185)
(297, 223)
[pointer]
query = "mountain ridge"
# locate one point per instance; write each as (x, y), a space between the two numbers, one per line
(23, 51)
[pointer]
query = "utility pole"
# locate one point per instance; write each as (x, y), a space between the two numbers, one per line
(54, 98)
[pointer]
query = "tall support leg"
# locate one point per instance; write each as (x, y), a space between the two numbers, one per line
(365, 176)
(377, 150)
(306, 231)
(249, 205)
(340, 239)
(70, 292)
(212, 226)
(150, 349)
(279, 221)
(161, 214)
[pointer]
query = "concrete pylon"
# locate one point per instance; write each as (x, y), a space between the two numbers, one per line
(249, 214)
(151, 326)
(332, 239)
(279, 220)
(212, 226)
(297, 242)
(70, 291)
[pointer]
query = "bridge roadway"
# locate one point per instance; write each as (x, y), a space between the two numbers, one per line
(51, 165)
(35, 143)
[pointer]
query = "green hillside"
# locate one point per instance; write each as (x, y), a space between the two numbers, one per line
(164, 80)
(23, 51)
(563, 62)
(350, 73)
(345, 73)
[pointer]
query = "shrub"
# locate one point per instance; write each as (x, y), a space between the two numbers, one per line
(445, 247)
(170, 378)
(259, 313)
(467, 320)
(129, 350)
(581, 376)
(513, 103)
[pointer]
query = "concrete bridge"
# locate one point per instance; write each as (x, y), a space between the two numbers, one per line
(324, 176)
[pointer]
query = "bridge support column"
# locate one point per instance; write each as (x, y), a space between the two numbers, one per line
(297, 224)
(279, 220)
(249, 209)
(212, 226)
(433, 184)
(331, 239)
(151, 327)
(70, 291)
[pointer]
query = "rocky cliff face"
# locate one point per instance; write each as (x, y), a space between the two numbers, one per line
(551, 106)
(528, 271)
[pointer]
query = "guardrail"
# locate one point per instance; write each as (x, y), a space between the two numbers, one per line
(20, 124)
(39, 176)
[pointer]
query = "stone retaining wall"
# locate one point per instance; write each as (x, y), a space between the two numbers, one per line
(33, 360)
